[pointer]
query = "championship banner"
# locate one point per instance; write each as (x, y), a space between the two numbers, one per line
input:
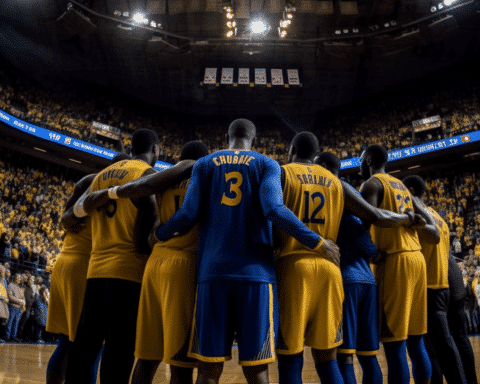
(227, 76)
(210, 76)
(277, 77)
(244, 76)
(261, 76)
(293, 77)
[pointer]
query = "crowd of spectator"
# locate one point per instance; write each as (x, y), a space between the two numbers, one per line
(23, 306)
(31, 203)
(385, 119)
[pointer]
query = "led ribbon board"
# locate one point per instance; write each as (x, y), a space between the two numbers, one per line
(419, 149)
(64, 140)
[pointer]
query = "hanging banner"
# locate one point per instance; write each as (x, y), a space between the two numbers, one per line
(227, 76)
(293, 77)
(261, 76)
(210, 76)
(277, 76)
(244, 76)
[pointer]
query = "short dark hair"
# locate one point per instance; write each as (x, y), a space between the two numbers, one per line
(242, 129)
(378, 153)
(194, 150)
(331, 161)
(305, 144)
(143, 141)
(417, 183)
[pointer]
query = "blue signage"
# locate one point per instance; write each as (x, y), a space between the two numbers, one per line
(65, 140)
(421, 149)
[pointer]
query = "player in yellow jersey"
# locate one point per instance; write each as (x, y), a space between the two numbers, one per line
(310, 286)
(67, 285)
(402, 279)
(167, 299)
(438, 294)
(119, 252)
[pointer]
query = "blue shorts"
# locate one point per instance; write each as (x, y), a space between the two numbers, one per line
(243, 309)
(360, 320)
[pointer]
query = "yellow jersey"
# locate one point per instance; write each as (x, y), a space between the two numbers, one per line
(396, 198)
(315, 196)
(113, 248)
(168, 203)
(436, 255)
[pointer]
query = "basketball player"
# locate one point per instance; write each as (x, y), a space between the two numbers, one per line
(167, 298)
(119, 252)
(438, 294)
(309, 286)
(67, 286)
(360, 309)
(233, 194)
(401, 276)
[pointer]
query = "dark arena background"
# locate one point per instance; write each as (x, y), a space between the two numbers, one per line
(78, 77)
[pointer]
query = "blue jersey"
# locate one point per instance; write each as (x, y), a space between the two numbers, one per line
(356, 247)
(235, 195)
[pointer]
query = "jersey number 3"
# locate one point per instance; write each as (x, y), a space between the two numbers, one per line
(313, 218)
(234, 189)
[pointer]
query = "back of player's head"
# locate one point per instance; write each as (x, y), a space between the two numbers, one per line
(378, 154)
(416, 183)
(305, 145)
(121, 157)
(328, 160)
(242, 129)
(194, 150)
(144, 141)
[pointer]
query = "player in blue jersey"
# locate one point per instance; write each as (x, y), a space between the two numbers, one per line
(360, 309)
(235, 195)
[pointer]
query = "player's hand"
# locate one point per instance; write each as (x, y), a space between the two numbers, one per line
(419, 222)
(96, 199)
(331, 251)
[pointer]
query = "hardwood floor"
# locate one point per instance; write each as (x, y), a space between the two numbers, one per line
(27, 364)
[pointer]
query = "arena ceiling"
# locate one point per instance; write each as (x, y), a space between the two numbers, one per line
(343, 49)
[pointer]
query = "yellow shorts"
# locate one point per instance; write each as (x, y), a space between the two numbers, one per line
(310, 295)
(67, 289)
(165, 312)
(402, 293)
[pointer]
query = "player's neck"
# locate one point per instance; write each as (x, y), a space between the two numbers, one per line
(240, 145)
(300, 160)
(376, 170)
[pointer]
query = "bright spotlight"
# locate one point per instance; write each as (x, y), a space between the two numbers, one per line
(282, 33)
(231, 24)
(448, 2)
(139, 18)
(289, 15)
(258, 26)
(229, 15)
(284, 23)
(230, 33)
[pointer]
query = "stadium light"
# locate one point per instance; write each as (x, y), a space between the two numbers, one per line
(258, 27)
(231, 24)
(282, 33)
(229, 15)
(449, 2)
(140, 18)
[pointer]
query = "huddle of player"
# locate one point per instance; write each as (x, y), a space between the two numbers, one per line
(245, 250)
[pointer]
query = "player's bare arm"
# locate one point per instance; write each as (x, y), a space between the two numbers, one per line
(368, 212)
(150, 183)
(429, 232)
(69, 221)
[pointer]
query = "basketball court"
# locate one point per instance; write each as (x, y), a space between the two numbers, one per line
(27, 364)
